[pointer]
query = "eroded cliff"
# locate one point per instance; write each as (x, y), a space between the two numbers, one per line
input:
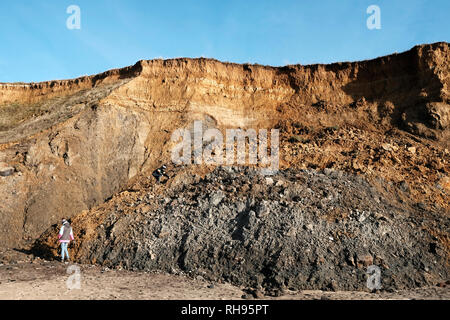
(75, 143)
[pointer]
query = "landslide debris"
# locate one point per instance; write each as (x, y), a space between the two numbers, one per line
(298, 229)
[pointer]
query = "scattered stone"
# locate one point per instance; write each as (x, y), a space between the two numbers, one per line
(351, 260)
(295, 138)
(375, 291)
(333, 285)
(258, 294)
(404, 186)
(164, 232)
(277, 292)
(6, 170)
(389, 147)
(364, 260)
(422, 206)
(255, 293)
(279, 183)
(262, 210)
(216, 198)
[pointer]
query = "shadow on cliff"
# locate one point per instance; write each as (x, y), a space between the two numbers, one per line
(403, 86)
(47, 246)
(44, 251)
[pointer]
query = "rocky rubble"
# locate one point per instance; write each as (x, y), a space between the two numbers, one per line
(299, 229)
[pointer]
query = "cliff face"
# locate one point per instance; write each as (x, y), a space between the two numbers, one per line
(75, 143)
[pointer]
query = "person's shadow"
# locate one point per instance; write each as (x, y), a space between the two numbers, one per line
(40, 250)
(43, 251)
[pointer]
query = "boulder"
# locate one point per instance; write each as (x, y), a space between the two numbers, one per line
(6, 170)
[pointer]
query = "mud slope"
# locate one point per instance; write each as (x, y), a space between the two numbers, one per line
(75, 143)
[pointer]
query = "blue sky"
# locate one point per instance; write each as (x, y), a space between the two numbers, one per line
(36, 45)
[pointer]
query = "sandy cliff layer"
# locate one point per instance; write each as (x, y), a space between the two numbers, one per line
(75, 143)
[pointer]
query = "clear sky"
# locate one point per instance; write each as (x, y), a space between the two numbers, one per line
(36, 45)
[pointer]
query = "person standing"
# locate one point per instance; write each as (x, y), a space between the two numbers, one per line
(65, 236)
